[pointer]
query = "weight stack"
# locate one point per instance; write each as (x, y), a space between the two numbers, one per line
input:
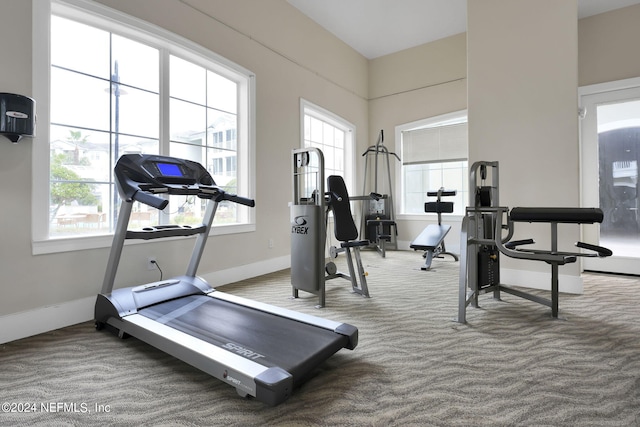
(488, 266)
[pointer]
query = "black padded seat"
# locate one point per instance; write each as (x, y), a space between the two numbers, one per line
(385, 223)
(560, 215)
(354, 243)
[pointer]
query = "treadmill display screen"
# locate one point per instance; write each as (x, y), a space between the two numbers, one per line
(169, 169)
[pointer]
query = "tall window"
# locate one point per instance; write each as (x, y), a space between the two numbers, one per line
(434, 155)
(119, 86)
(334, 136)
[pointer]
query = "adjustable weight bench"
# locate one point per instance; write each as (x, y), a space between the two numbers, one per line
(431, 240)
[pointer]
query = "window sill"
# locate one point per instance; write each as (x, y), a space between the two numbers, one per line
(81, 243)
(429, 216)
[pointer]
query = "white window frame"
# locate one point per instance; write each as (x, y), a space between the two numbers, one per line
(140, 30)
(399, 184)
(311, 109)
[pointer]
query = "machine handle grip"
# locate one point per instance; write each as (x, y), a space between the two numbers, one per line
(515, 243)
(150, 199)
(239, 199)
(601, 251)
(332, 195)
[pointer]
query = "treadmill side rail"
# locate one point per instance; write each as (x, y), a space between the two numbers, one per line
(282, 312)
(128, 301)
(269, 385)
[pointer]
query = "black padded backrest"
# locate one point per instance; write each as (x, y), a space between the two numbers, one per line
(439, 207)
(483, 196)
(344, 227)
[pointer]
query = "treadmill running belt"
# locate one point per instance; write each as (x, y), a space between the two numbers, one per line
(262, 337)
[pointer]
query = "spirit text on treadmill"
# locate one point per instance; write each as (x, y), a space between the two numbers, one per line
(242, 351)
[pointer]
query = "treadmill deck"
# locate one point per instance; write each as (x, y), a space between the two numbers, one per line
(264, 338)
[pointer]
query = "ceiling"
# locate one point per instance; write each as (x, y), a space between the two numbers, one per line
(380, 27)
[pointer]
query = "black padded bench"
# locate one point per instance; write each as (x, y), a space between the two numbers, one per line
(559, 215)
(431, 240)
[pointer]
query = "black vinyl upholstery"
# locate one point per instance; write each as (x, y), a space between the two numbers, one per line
(563, 215)
(346, 232)
(344, 227)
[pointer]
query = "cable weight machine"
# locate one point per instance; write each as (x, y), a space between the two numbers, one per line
(378, 223)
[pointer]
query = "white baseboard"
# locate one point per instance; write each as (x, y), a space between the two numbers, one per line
(235, 274)
(44, 319)
(538, 280)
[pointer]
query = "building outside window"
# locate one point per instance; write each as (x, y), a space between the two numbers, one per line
(334, 136)
(117, 89)
(434, 155)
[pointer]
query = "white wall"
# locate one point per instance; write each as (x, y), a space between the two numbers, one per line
(291, 56)
(414, 84)
(522, 105)
(431, 80)
(607, 46)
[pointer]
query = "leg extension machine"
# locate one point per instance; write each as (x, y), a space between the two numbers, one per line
(482, 242)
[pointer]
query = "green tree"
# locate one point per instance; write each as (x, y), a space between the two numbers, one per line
(76, 137)
(66, 186)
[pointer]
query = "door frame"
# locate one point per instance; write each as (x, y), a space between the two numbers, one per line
(588, 98)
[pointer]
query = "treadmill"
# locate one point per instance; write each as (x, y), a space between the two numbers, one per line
(262, 350)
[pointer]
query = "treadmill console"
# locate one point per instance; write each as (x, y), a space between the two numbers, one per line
(169, 169)
(154, 170)
(162, 174)
(141, 176)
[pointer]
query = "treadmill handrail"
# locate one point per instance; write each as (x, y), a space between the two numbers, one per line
(140, 177)
(151, 200)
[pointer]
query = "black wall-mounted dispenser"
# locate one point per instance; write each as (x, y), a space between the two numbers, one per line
(17, 116)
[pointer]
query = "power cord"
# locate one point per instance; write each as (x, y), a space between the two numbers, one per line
(154, 262)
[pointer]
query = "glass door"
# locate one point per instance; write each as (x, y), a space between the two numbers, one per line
(610, 147)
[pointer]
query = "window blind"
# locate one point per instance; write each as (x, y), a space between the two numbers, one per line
(435, 144)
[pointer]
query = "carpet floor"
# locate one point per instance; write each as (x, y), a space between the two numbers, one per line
(510, 365)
